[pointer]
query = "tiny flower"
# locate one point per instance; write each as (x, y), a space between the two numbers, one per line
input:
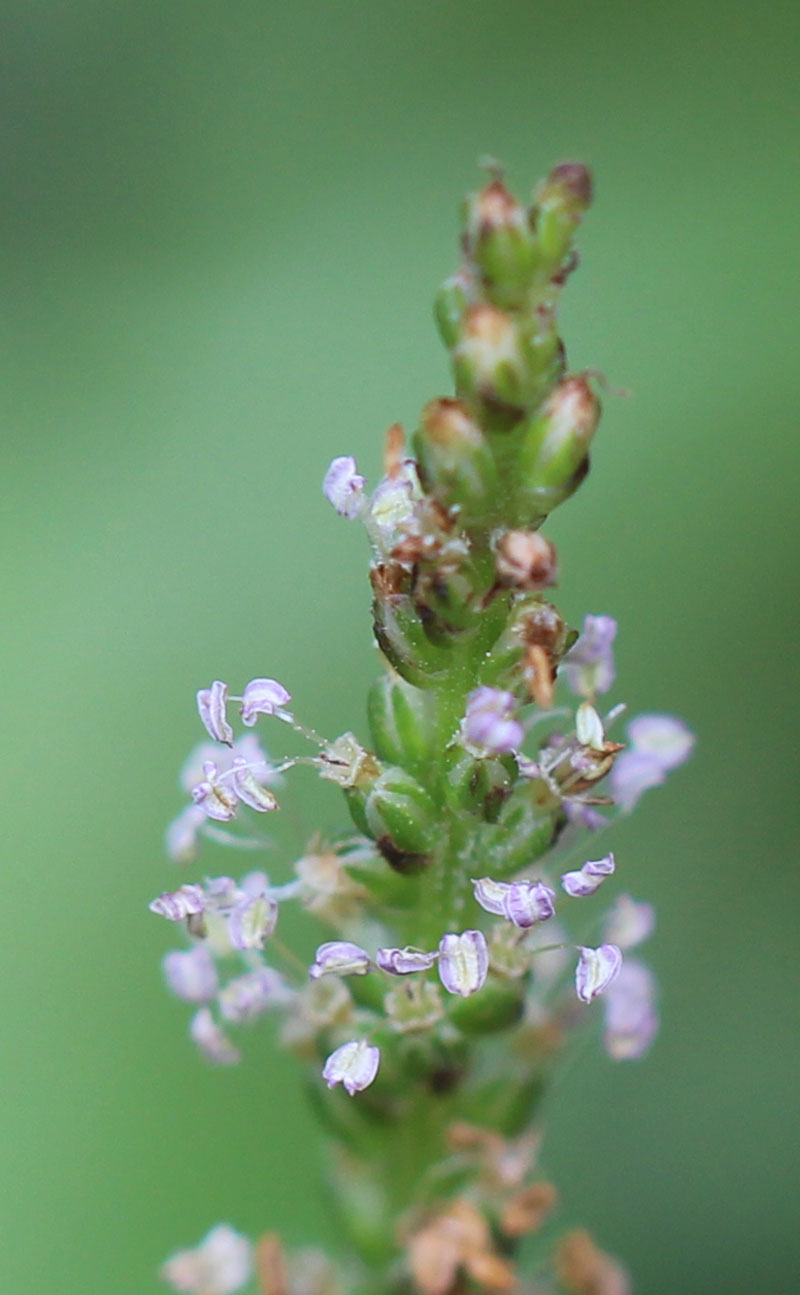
(354, 1065)
(589, 727)
(182, 832)
(214, 797)
(463, 962)
(589, 664)
(248, 996)
(489, 722)
(191, 974)
(520, 902)
(586, 880)
(212, 1041)
(630, 922)
(631, 1018)
(347, 763)
(249, 790)
(178, 904)
(211, 704)
(664, 737)
(341, 958)
(222, 893)
(404, 962)
(262, 697)
(632, 775)
(344, 487)
(220, 1265)
(252, 922)
(595, 971)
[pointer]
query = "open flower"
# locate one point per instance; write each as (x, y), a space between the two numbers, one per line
(354, 1065)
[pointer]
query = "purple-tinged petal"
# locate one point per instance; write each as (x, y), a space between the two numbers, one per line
(220, 1265)
(586, 880)
(191, 974)
(632, 774)
(595, 971)
(248, 996)
(211, 705)
(489, 721)
(631, 1016)
(252, 922)
(630, 922)
(177, 904)
(212, 1041)
(343, 487)
(249, 790)
(463, 962)
(664, 737)
(589, 665)
(404, 962)
(215, 798)
(354, 1065)
(262, 697)
(340, 958)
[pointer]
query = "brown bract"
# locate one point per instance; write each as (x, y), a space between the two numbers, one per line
(454, 1240)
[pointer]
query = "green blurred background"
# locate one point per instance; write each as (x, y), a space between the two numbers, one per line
(224, 224)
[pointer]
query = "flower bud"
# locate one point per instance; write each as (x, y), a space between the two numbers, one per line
(498, 238)
(354, 1065)
(452, 300)
(560, 202)
(400, 810)
(595, 971)
(554, 449)
(211, 705)
(525, 560)
(586, 880)
(456, 464)
(463, 962)
(478, 783)
(488, 361)
(340, 958)
(399, 630)
(401, 721)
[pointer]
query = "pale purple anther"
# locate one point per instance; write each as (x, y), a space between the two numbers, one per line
(211, 706)
(586, 880)
(262, 697)
(212, 1040)
(463, 962)
(344, 486)
(182, 833)
(340, 958)
(215, 797)
(252, 922)
(589, 664)
(354, 1065)
(248, 996)
(658, 743)
(489, 722)
(630, 922)
(404, 962)
(522, 902)
(220, 1265)
(177, 904)
(249, 790)
(191, 974)
(631, 1016)
(595, 971)
(222, 893)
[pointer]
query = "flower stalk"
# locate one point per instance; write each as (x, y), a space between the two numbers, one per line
(461, 956)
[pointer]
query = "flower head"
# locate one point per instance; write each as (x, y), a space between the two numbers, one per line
(354, 1065)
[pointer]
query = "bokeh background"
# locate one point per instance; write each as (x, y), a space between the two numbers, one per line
(224, 224)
